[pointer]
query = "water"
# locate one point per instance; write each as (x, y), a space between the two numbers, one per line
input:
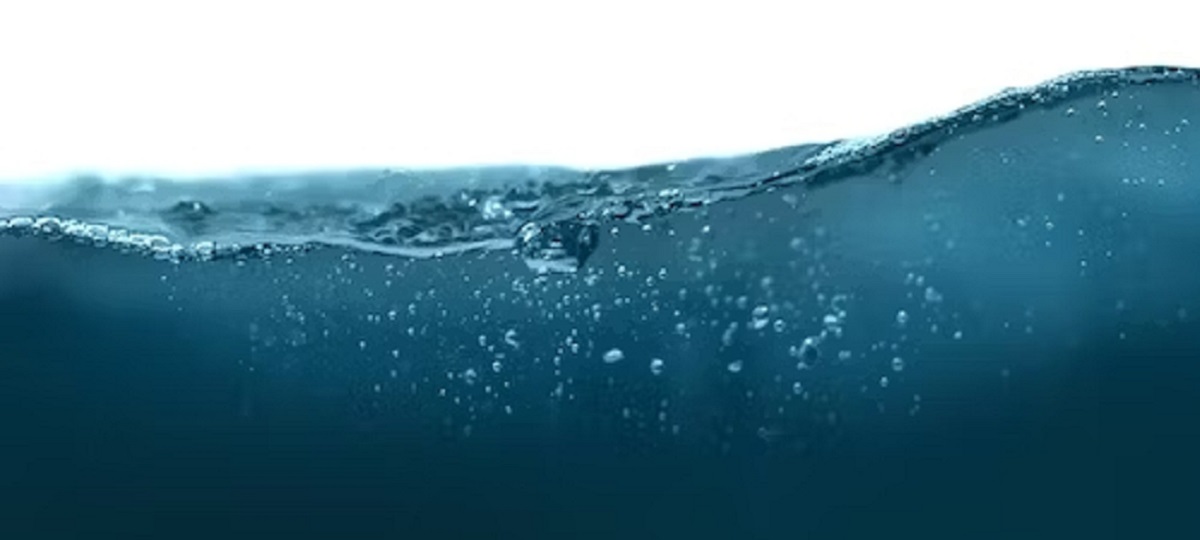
(979, 327)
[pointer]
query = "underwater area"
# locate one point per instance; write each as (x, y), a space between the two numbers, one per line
(982, 326)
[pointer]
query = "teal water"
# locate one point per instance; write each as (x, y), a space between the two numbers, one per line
(979, 327)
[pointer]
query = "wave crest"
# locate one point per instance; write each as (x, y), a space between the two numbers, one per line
(549, 216)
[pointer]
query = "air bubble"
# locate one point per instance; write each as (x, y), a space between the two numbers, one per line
(758, 317)
(510, 337)
(809, 353)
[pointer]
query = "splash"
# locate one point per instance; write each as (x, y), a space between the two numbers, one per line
(550, 217)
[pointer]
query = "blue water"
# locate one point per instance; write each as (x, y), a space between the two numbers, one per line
(983, 326)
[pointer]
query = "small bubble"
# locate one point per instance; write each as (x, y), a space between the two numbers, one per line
(727, 336)
(656, 366)
(613, 356)
(735, 366)
(497, 366)
(809, 352)
(901, 318)
(897, 364)
(883, 382)
(510, 337)
(797, 388)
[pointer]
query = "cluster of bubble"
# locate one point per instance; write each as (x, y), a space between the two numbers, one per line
(99, 235)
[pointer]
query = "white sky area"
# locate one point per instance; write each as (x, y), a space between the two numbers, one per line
(216, 87)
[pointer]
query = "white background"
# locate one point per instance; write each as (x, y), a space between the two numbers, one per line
(217, 87)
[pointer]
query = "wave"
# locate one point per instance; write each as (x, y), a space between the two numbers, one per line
(549, 216)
